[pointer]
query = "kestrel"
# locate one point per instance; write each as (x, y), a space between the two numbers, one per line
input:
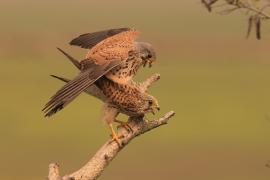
(124, 98)
(117, 57)
(127, 98)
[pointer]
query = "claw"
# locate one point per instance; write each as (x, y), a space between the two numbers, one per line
(115, 137)
(125, 125)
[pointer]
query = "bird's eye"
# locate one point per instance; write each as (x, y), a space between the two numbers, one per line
(149, 56)
(150, 102)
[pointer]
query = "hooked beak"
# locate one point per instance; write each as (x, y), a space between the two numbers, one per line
(149, 62)
(155, 108)
(144, 63)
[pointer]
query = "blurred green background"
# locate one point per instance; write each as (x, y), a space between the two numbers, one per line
(217, 82)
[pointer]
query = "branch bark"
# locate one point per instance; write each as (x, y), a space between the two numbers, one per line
(96, 165)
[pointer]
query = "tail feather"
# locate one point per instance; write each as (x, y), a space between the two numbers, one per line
(60, 78)
(73, 60)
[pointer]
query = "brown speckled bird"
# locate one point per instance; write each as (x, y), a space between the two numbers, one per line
(124, 98)
(114, 54)
(127, 98)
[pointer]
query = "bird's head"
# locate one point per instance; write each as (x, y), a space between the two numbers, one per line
(147, 53)
(150, 104)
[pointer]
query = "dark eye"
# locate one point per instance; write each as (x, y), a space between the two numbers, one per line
(149, 56)
(150, 102)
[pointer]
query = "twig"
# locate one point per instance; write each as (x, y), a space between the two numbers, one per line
(96, 165)
(257, 11)
(256, 14)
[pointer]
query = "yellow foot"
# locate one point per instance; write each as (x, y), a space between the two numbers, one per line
(125, 125)
(115, 137)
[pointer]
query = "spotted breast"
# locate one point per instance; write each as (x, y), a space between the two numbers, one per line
(127, 98)
(125, 71)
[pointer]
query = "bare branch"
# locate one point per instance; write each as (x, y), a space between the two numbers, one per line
(54, 172)
(208, 4)
(96, 165)
(256, 10)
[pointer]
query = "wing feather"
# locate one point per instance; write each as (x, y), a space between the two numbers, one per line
(89, 40)
(74, 87)
(60, 78)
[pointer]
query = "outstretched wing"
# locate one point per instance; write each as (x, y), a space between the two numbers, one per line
(104, 56)
(89, 40)
(74, 87)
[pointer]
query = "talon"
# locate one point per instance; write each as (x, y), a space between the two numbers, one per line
(115, 137)
(124, 125)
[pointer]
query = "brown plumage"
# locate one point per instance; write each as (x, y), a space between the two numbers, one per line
(118, 57)
(128, 98)
(89, 40)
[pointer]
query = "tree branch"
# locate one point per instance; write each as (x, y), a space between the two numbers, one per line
(255, 9)
(96, 165)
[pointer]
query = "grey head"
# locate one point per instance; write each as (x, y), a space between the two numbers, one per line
(147, 53)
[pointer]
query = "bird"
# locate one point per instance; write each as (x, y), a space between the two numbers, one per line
(113, 58)
(118, 57)
(127, 98)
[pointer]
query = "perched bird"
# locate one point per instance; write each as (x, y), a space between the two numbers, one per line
(124, 98)
(113, 54)
(127, 98)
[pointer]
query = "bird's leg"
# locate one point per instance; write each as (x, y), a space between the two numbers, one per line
(115, 137)
(124, 124)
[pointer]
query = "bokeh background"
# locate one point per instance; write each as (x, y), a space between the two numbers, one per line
(217, 81)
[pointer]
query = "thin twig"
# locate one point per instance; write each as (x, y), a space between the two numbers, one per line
(257, 11)
(256, 14)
